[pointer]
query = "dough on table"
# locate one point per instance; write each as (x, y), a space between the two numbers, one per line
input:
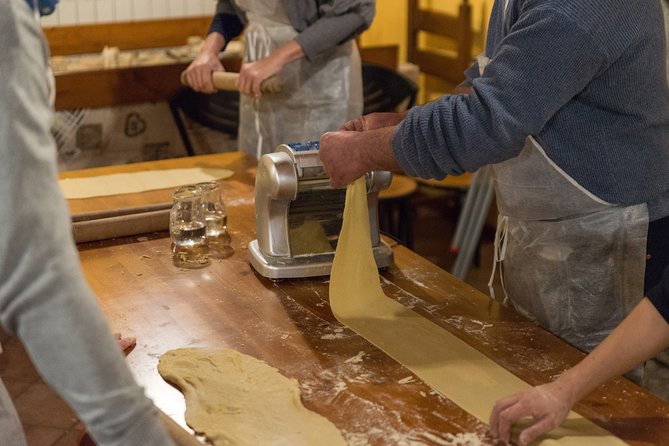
(447, 364)
(127, 183)
(235, 399)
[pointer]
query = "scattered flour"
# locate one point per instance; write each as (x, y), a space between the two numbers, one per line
(333, 336)
(466, 439)
(357, 359)
(421, 439)
(407, 380)
(338, 333)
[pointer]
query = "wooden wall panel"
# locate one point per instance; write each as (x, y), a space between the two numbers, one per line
(85, 39)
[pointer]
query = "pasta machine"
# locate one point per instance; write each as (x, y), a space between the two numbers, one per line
(299, 215)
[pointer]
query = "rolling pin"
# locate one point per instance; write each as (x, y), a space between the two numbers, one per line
(101, 225)
(226, 80)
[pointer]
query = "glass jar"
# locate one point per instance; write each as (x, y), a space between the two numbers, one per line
(216, 219)
(188, 228)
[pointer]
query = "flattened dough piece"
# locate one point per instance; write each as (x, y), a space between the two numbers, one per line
(447, 364)
(127, 183)
(235, 399)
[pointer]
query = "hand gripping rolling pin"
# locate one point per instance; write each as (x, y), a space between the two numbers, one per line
(226, 80)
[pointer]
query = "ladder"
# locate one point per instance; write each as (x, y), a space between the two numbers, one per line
(470, 222)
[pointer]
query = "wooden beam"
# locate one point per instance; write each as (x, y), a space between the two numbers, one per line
(86, 39)
(120, 86)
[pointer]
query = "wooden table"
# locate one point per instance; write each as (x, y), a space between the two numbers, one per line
(289, 325)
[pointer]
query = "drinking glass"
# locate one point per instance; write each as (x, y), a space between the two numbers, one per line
(188, 228)
(216, 219)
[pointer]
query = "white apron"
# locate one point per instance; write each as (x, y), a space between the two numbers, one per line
(317, 96)
(570, 261)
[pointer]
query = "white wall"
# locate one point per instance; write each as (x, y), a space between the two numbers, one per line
(75, 12)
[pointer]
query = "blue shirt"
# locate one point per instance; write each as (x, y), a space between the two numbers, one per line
(659, 295)
(45, 7)
(586, 78)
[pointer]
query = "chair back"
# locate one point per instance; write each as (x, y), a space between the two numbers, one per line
(386, 90)
(218, 111)
(456, 29)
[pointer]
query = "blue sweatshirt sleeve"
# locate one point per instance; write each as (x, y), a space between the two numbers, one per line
(227, 25)
(542, 63)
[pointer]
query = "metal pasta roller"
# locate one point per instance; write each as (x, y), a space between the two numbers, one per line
(299, 215)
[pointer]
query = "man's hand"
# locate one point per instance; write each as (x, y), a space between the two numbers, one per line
(548, 405)
(252, 74)
(347, 156)
(198, 73)
(200, 70)
(124, 343)
(374, 121)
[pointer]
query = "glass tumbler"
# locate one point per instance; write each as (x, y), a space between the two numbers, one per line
(188, 228)
(215, 217)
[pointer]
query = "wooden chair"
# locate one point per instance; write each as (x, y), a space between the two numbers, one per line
(396, 209)
(455, 29)
(386, 90)
(447, 63)
(218, 111)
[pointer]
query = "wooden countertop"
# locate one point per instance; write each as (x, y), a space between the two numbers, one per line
(289, 325)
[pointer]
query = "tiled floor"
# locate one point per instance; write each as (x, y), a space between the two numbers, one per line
(48, 421)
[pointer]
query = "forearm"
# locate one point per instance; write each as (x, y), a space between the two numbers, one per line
(642, 335)
(253, 74)
(287, 53)
(213, 44)
(199, 72)
(341, 22)
(381, 156)
(347, 155)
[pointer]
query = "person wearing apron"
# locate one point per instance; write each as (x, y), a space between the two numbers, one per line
(44, 299)
(570, 106)
(643, 333)
(309, 47)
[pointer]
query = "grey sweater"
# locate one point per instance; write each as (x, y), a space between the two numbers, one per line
(585, 77)
(44, 299)
(321, 24)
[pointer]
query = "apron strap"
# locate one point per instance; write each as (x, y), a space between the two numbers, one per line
(499, 250)
(256, 110)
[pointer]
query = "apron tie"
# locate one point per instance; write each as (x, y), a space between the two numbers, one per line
(256, 110)
(254, 53)
(499, 249)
